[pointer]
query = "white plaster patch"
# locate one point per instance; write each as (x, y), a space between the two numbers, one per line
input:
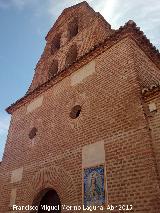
(35, 104)
(152, 107)
(13, 197)
(93, 154)
(83, 73)
(16, 175)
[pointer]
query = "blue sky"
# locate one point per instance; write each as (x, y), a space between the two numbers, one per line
(24, 24)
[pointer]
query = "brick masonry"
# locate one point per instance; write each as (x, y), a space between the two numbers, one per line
(114, 114)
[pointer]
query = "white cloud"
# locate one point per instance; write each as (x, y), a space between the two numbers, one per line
(4, 124)
(145, 13)
(107, 8)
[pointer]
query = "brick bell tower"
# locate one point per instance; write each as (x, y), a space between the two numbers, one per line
(77, 30)
(86, 133)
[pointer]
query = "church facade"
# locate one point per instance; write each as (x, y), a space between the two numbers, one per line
(87, 132)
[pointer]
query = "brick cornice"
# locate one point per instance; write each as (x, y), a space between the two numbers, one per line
(128, 30)
(152, 92)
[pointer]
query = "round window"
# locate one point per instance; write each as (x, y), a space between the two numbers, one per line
(33, 133)
(75, 112)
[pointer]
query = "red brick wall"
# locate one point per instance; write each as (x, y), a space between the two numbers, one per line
(111, 111)
(148, 75)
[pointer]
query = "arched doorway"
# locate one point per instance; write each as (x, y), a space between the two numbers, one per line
(48, 201)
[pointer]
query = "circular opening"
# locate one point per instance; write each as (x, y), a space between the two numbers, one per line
(33, 133)
(75, 112)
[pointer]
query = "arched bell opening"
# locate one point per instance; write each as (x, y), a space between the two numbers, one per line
(71, 55)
